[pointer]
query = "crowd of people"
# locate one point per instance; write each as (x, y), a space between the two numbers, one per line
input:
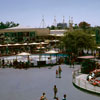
(15, 64)
(93, 77)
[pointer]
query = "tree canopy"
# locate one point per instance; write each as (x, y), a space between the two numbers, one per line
(78, 40)
(84, 25)
(7, 25)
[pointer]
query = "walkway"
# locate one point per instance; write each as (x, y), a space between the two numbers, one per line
(81, 82)
(29, 84)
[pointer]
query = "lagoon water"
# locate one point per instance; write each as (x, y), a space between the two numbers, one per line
(21, 84)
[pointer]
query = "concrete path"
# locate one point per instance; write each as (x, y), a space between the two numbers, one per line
(29, 84)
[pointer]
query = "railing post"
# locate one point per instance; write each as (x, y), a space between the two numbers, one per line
(94, 88)
(79, 81)
(85, 85)
(74, 74)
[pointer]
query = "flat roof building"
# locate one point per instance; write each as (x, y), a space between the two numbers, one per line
(38, 31)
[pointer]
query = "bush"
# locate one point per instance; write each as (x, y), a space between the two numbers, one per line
(88, 66)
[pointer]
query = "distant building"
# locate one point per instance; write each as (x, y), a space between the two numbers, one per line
(57, 32)
(62, 25)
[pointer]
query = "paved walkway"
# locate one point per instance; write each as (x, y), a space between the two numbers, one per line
(83, 83)
(29, 84)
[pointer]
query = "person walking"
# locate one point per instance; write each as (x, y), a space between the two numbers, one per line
(60, 70)
(55, 91)
(56, 73)
(72, 62)
(64, 97)
(43, 97)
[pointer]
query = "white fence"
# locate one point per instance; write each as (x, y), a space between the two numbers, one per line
(80, 81)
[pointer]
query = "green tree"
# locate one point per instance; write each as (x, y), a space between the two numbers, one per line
(91, 31)
(52, 27)
(7, 25)
(78, 40)
(75, 26)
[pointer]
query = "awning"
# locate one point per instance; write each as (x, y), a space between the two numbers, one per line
(86, 57)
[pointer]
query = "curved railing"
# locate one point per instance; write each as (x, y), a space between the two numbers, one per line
(80, 81)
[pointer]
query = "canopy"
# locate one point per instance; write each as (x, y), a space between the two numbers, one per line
(25, 44)
(86, 57)
(24, 54)
(17, 44)
(98, 47)
(52, 52)
(34, 43)
(43, 43)
(40, 47)
(54, 40)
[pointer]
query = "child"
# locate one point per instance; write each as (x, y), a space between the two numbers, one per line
(56, 73)
(43, 97)
(64, 98)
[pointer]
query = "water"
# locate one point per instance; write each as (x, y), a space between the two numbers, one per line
(29, 84)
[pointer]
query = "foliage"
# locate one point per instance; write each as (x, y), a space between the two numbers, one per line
(7, 25)
(77, 40)
(84, 25)
(88, 66)
(75, 26)
(52, 27)
(90, 30)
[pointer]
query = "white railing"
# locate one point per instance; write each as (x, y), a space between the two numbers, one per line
(82, 82)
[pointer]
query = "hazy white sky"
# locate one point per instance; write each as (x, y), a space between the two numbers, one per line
(30, 12)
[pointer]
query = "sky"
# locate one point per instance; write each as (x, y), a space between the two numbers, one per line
(30, 12)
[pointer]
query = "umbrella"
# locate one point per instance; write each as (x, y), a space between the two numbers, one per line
(16, 44)
(24, 54)
(34, 43)
(52, 52)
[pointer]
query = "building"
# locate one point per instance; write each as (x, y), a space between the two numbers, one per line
(23, 34)
(26, 39)
(62, 25)
(57, 32)
(21, 39)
